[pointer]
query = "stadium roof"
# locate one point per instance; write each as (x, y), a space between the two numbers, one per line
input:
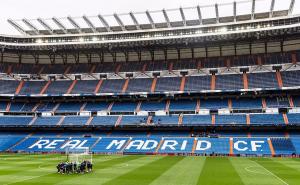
(246, 10)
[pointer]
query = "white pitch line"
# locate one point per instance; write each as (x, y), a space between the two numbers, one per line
(272, 174)
(254, 171)
(26, 179)
(40, 167)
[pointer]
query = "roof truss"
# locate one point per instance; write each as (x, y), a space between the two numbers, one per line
(45, 25)
(60, 25)
(74, 23)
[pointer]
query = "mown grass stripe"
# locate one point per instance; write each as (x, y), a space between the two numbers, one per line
(219, 171)
(101, 176)
(291, 163)
(146, 173)
(184, 172)
(54, 178)
(286, 174)
(252, 173)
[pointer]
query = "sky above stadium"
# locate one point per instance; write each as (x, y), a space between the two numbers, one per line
(31, 9)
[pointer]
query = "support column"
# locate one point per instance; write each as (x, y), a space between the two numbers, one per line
(259, 61)
(45, 87)
(229, 103)
(231, 146)
(19, 87)
(271, 147)
(71, 87)
(279, 79)
(245, 80)
(138, 107)
(294, 58)
(248, 120)
(285, 118)
(167, 109)
(228, 62)
(125, 85)
(118, 68)
(291, 102)
(171, 66)
(118, 122)
(153, 84)
(182, 84)
(98, 86)
(180, 119)
(213, 119)
(8, 107)
(198, 106)
(144, 67)
(93, 68)
(264, 103)
(213, 82)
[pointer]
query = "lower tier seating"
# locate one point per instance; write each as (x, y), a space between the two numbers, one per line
(158, 144)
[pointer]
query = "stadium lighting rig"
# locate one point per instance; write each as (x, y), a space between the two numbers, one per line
(116, 29)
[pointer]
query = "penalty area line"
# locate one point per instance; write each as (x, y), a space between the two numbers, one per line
(272, 174)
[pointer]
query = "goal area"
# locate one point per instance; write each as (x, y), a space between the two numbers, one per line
(78, 155)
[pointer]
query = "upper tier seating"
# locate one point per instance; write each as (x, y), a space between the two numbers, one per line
(164, 120)
(197, 83)
(112, 86)
(196, 120)
(69, 107)
(214, 104)
(96, 106)
(278, 102)
(124, 107)
(133, 120)
(230, 119)
(32, 87)
(290, 78)
(265, 119)
(58, 87)
(246, 103)
(183, 105)
(74, 121)
(229, 82)
(110, 67)
(3, 106)
(47, 121)
(262, 80)
(85, 86)
(139, 85)
(294, 119)
(168, 84)
(15, 120)
(105, 120)
(8, 86)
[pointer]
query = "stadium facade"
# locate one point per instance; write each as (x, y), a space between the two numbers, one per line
(225, 85)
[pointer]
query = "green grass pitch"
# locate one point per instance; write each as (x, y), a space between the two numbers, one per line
(152, 170)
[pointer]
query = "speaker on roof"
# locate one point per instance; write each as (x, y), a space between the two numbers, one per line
(129, 75)
(244, 69)
(156, 74)
(277, 68)
(103, 76)
(283, 110)
(184, 73)
(77, 77)
(52, 78)
(213, 71)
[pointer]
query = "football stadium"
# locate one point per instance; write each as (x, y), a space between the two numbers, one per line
(157, 97)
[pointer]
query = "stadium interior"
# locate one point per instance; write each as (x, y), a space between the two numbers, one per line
(227, 87)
